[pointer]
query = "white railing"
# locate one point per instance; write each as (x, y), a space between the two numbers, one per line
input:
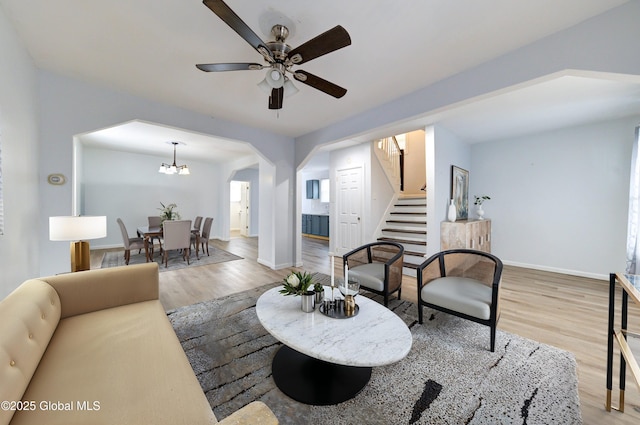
(388, 151)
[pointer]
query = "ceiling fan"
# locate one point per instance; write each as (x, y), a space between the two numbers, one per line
(280, 57)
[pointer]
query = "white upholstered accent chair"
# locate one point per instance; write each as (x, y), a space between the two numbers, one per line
(462, 282)
(378, 267)
(176, 235)
(130, 243)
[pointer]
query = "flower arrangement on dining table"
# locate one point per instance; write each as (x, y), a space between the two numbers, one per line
(297, 283)
(167, 212)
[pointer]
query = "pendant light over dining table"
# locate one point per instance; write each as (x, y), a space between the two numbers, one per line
(173, 168)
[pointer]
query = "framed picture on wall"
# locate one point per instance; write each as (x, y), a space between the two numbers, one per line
(460, 191)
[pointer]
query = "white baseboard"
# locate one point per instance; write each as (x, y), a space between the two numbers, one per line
(558, 270)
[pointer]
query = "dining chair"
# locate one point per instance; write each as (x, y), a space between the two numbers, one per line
(378, 267)
(206, 231)
(197, 223)
(130, 243)
(155, 221)
(176, 235)
(464, 283)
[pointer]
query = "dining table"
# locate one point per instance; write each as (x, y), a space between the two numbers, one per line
(147, 233)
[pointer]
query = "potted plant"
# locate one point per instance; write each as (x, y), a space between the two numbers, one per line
(298, 283)
(167, 212)
(318, 288)
(479, 200)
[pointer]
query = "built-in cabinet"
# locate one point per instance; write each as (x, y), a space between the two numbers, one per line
(315, 225)
(471, 234)
(313, 189)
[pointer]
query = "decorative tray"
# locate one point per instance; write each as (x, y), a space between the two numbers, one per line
(338, 312)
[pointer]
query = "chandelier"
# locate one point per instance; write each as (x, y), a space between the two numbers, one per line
(173, 168)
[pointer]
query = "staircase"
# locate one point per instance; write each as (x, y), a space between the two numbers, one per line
(406, 224)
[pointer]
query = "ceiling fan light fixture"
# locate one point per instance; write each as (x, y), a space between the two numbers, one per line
(275, 78)
(264, 86)
(289, 88)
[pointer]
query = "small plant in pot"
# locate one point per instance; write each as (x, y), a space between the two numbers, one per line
(319, 290)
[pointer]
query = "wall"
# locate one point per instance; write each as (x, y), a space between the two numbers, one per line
(70, 107)
(559, 199)
(414, 163)
(19, 248)
(378, 192)
(443, 150)
(313, 206)
(251, 175)
(136, 189)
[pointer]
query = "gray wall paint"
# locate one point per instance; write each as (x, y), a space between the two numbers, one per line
(559, 199)
(19, 248)
(128, 186)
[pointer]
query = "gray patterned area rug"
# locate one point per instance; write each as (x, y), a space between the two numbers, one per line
(448, 377)
(216, 255)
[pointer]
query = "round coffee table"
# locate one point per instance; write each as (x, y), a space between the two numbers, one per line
(325, 360)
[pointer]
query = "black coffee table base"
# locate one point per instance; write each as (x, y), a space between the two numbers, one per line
(316, 382)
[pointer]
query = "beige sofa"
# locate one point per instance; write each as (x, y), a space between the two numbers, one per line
(96, 347)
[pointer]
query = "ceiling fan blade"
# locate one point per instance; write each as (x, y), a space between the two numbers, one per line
(225, 13)
(275, 100)
(327, 42)
(320, 84)
(219, 67)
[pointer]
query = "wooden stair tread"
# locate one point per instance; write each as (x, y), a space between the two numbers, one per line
(413, 232)
(414, 253)
(403, 241)
(408, 213)
(406, 222)
(410, 205)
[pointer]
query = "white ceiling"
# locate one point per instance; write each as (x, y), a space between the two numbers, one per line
(149, 48)
(153, 139)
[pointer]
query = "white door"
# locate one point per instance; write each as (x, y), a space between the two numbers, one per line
(244, 208)
(349, 209)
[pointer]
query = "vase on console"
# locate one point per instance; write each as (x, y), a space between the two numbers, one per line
(451, 213)
(480, 212)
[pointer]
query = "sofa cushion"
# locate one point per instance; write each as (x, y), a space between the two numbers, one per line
(128, 360)
(369, 275)
(459, 294)
(29, 316)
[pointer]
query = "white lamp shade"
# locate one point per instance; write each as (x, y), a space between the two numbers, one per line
(275, 78)
(76, 228)
(289, 88)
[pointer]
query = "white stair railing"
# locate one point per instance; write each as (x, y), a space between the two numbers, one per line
(388, 152)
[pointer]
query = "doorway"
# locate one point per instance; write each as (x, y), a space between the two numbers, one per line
(239, 208)
(349, 209)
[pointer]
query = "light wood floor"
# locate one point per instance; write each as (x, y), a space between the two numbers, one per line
(560, 310)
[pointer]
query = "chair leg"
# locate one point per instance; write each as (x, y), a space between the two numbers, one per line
(419, 312)
(166, 258)
(493, 338)
(399, 292)
(386, 300)
(127, 256)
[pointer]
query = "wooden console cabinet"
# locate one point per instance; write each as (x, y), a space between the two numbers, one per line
(471, 234)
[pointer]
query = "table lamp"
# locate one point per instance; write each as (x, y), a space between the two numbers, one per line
(78, 229)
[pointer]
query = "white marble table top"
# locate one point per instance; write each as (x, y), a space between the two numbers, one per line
(374, 337)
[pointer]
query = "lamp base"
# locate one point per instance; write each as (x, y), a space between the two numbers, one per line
(80, 257)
